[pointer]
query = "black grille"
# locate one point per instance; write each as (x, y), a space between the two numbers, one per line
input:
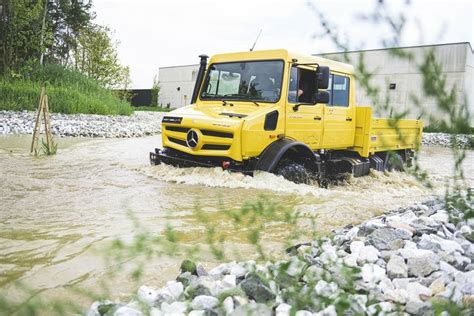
(216, 134)
(177, 141)
(177, 129)
(172, 119)
(215, 147)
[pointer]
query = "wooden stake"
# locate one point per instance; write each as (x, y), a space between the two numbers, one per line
(42, 114)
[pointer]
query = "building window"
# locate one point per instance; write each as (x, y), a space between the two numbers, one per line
(392, 86)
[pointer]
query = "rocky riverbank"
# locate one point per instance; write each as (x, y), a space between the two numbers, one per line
(85, 125)
(445, 140)
(408, 261)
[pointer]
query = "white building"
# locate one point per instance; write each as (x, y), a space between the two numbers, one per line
(176, 85)
(402, 80)
(394, 76)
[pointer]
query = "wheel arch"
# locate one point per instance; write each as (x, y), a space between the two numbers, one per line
(283, 148)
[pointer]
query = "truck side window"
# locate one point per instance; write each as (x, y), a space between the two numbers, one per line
(340, 91)
(302, 86)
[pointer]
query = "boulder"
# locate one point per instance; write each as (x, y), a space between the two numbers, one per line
(396, 267)
(256, 289)
(204, 302)
(382, 238)
(423, 265)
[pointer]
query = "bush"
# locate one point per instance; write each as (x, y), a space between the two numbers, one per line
(68, 92)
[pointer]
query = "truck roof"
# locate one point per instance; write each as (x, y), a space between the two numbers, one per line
(282, 54)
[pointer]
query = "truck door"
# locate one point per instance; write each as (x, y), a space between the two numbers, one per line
(339, 114)
(306, 123)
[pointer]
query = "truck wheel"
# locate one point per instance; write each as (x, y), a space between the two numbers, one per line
(293, 171)
(395, 162)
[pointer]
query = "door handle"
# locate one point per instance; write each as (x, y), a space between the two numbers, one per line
(317, 118)
(349, 119)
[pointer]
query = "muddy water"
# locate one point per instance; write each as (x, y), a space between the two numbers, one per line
(58, 213)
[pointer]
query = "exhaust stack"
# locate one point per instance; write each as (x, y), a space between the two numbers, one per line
(200, 77)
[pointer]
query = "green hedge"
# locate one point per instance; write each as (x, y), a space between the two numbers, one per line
(68, 92)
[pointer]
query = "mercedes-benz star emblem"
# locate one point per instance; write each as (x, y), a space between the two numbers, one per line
(192, 138)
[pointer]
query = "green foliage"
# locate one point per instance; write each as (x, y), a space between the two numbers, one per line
(152, 108)
(155, 91)
(69, 92)
(436, 126)
(23, 32)
(48, 150)
(95, 55)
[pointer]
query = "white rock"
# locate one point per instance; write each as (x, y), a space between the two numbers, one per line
(175, 288)
(205, 302)
(408, 253)
(127, 311)
(303, 313)
(372, 273)
(396, 267)
(326, 289)
(230, 280)
(228, 305)
(351, 233)
(396, 295)
(441, 216)
(283, 310)
(351, 260)
(446, 267)
(356, 246)
(147, 295)
(450, 246)
(368, 254)
(197, 313)
(175, 308)
(415, 289)
(238, 270)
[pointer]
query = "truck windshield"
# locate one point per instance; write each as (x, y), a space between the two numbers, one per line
(250, 80)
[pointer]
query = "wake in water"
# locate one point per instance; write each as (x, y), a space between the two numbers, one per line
(395, 182)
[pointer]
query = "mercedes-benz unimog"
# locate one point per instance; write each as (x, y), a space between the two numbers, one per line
(284, 113)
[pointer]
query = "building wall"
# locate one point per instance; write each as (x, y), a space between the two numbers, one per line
(176, 85)
(456, 63)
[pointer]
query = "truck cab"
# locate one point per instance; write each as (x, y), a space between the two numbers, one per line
(281, 112)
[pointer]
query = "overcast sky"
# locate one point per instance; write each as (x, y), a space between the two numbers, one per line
(158, 33)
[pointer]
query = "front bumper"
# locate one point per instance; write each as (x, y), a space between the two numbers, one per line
(177, 158)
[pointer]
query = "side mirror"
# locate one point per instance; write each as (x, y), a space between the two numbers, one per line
(321, 97)
(322, 77)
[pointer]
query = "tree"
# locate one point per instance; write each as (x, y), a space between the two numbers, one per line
(67, 18)
(155, 91)
(96, 56)
(23, 32)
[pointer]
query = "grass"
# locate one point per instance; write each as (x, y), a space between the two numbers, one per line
(68, 92)
(438, 127)
(152, 108)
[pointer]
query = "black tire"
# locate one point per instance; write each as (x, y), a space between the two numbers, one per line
(395, 162)
(293, 171)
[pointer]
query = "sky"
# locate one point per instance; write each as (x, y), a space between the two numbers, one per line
(160, 33)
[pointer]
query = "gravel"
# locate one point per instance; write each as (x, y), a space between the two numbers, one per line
(427, 266)
(141, 123)
(443, 139)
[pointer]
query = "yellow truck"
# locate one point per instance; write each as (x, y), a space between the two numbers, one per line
(285, 113)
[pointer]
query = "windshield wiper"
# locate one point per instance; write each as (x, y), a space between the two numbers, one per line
(254, 102)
